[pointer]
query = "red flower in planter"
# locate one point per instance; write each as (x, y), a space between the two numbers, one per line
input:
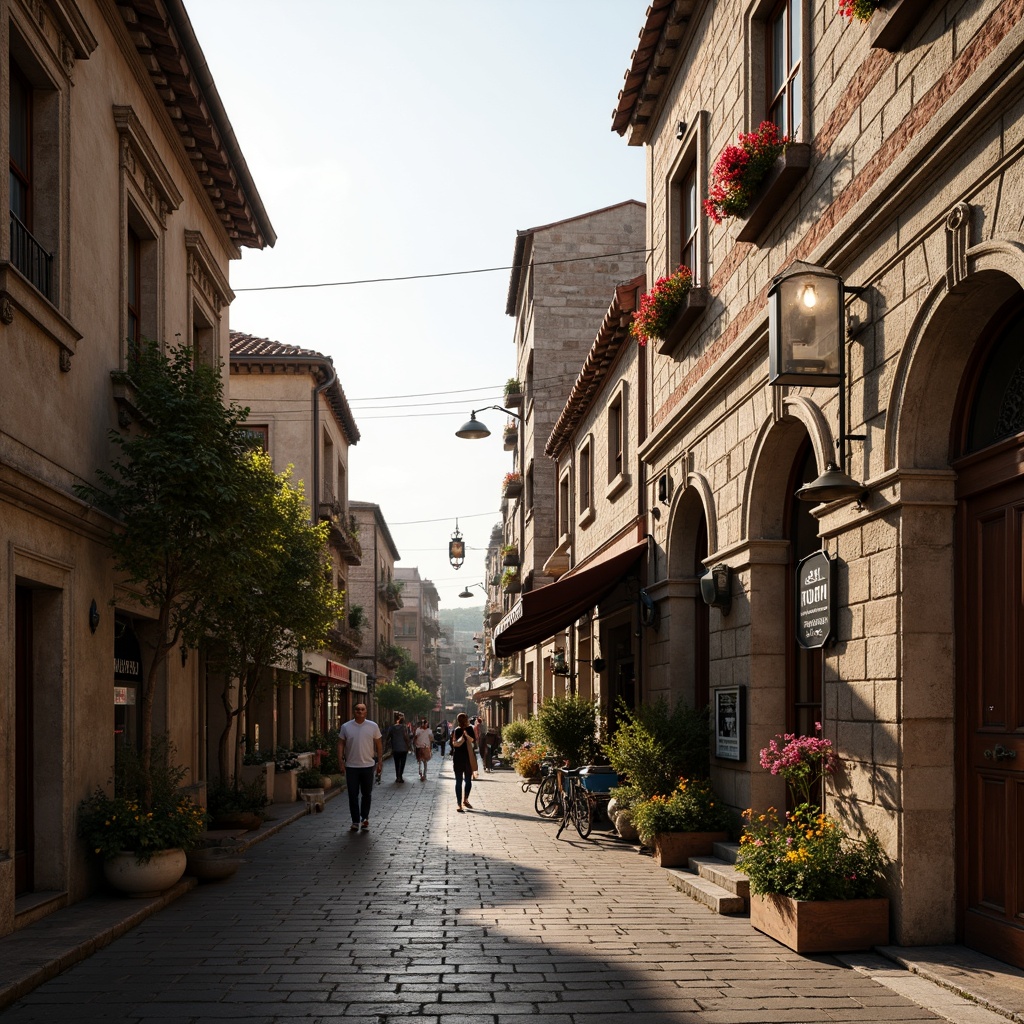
(740, 169)
(658, 305)
(859, 9)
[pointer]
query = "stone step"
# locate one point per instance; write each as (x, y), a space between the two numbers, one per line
(723, 874)
(726, 851)
(720, 900)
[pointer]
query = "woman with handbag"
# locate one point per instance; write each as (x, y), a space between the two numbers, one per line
(463, 761)
(423, 741)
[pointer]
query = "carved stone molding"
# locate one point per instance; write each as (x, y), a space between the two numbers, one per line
(6, 311)
(958, 225)
(140, 160)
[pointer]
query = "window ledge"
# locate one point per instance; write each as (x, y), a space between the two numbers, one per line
(891, 24)
(586, 517)
(18, 297)
(692, 309)
(775, 189)
(617, 485)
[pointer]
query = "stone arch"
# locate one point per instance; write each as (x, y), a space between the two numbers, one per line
(689, 503)
(771, 463)
(938, 346)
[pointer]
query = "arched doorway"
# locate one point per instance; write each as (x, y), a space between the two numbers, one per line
(989, 444)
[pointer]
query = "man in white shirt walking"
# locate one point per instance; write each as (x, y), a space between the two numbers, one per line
(360, 748)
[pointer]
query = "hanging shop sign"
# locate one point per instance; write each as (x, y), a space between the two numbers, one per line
(815, 601)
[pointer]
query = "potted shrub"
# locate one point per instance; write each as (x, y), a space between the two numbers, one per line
(510, 554)
(569, 725)
(813, 887)
(684, 824)
(143, 851)
(510, 580)
(241, 807)
(513, 393)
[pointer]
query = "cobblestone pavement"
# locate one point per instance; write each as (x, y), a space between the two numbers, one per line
(475, 918)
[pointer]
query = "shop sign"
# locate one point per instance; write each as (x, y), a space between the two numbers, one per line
(124, 696)
(359, 681)
(337, 671)
(815, 600)
(127, 654)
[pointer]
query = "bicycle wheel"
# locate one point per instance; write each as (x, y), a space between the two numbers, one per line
(546, 800)
(582, 817)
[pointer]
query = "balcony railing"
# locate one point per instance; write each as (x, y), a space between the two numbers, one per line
(30, 257)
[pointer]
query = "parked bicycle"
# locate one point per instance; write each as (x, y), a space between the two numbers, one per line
(576, 804)
(548, 801)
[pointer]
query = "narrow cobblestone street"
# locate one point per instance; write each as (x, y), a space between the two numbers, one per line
(475, 918)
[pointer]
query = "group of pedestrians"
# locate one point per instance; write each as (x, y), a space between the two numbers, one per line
(361, 751)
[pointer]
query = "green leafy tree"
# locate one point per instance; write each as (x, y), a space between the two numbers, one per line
(173, 489)
(409, 697)
(279, 600)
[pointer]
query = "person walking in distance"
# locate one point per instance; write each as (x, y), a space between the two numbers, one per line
(423, 741)
(398, 734)
(463, 761)
(442, 734)
(360, 747)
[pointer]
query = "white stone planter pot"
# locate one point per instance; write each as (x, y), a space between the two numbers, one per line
(150, 878)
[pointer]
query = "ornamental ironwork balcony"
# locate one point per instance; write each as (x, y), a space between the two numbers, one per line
(31, 258)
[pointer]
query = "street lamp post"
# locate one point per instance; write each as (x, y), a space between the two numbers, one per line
(474, 429)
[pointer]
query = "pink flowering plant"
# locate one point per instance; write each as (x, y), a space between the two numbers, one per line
(739, 170)
(806, 854)
(859, 9)
(803, 761)
(658, 306)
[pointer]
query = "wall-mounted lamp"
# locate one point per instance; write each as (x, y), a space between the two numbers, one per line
(807, 346)
(716, 588)
(468, 593)
(456, 548)
(663, 488)
(94, 617)
(680, 130)
(474, 429)
(184, 655)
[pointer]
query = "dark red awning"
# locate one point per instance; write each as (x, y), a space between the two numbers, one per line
(540, 614)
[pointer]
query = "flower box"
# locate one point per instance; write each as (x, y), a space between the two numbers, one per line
(674, 849)
(513, 488)
(514, 399)
(513, 586)
(286, 786)
(891, 23)
(689, 312)
(511, 558)
(775, 189)
(822, 926)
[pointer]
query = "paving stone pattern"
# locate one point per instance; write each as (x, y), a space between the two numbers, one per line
(434, 916)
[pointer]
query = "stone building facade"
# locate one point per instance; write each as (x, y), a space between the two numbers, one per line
(373, 587)
(299, 413)
(903, 177)
(557, 296)
(417, 628)
(128, 198)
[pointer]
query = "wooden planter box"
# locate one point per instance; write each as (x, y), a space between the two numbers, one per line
(513, 489)
(891, 24)
(674, 849)
(822, 926)
(691, 310)
(776, 188)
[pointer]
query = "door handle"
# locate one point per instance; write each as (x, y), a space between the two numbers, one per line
(1001, 753)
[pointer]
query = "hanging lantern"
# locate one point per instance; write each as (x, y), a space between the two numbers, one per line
(456, 548)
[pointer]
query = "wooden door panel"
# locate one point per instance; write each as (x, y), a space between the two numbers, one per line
(992, 571)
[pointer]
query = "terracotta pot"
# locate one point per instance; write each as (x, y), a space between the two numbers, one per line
(674, 849)
(822, 926)
(133, 877)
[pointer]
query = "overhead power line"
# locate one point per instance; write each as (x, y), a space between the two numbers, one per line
(423, 277)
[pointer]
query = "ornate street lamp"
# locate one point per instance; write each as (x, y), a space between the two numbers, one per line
(473, 429)
(456, 548)
(807, 346)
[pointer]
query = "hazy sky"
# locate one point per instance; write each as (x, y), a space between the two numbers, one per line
(409, 138)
